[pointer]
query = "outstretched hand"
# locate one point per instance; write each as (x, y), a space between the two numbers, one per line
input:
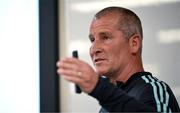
(78, 72)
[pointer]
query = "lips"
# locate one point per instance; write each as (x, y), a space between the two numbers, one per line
(98, 60)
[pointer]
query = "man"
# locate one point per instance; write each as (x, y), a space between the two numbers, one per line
(119, 82)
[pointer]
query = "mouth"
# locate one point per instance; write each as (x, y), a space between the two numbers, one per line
(99, 60)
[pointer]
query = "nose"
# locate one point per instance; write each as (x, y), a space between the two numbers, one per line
(95, 49)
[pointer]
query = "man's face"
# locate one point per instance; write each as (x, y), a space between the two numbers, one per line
(110, 51)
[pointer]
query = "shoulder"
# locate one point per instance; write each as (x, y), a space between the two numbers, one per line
(159, 93)
(155, 84)
(158, 87)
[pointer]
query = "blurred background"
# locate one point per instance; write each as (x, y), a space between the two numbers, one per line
(161, 43)
(19, 56)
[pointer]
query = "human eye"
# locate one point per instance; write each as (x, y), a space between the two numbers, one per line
(105, 36)
(91, 38)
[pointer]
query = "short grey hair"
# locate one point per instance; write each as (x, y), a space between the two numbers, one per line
(129, 23)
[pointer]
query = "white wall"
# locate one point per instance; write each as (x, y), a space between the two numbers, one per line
(19, 56)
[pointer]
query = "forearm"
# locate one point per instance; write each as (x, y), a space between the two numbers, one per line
(114, 99)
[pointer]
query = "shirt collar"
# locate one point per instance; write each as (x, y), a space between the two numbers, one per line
(132, 78)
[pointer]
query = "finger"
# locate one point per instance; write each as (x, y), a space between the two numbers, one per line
(63, 60)
(70, 60)
(71, 76)
(66, 65)
(67, 72)
(73, 60)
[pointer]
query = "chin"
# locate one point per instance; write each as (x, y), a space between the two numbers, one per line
(101, 72)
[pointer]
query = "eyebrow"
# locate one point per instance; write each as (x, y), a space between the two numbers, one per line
(101, 33)
(104, 33)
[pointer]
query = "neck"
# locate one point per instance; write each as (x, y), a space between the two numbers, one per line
(134, 66)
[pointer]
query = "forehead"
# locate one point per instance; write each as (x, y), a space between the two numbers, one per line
(106, 21)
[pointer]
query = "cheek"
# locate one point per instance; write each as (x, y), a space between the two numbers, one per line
(118, 55)
(90, 52)
(115, 58)
(114, 55)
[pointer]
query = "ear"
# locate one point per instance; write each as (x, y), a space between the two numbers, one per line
(135, 43)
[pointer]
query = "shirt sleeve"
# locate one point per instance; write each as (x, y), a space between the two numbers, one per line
(113, 99)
